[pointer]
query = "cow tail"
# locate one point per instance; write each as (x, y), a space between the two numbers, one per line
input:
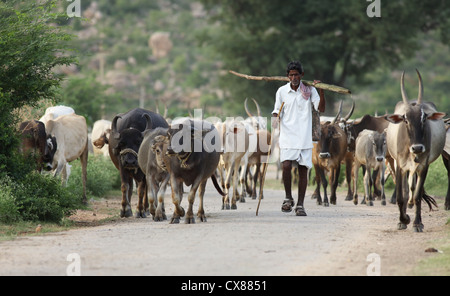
(429, 200)
(216, 184)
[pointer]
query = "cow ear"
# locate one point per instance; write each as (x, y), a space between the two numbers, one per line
(436, 116)
(394, 118)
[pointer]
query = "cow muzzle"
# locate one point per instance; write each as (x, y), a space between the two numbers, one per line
(417, 148)
(324, 155)
(129, 159)
(380, 158)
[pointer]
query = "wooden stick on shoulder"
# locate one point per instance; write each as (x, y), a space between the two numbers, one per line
(321, 85)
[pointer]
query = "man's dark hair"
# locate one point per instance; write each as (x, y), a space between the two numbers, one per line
(295, 65)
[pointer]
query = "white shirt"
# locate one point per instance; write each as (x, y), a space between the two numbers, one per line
(296, 117)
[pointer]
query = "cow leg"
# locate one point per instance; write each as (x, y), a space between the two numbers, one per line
(152, 186)
(316, 194)
(348, 177)
(412, 181)
(84, 161)
(383, 196)
(393, 170)
(255, 179)
(367, 187)
(141, 190)
(189, 219)
(127, 189)
(418, 193)
(399, 189)
(334, 180)
(446, 160)
(324, 181)
(235, 185)
(177, 196)
(201, 210)
(355, 182)
(228, 196)
(160, 213)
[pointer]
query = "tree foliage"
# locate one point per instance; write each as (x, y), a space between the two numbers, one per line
(30, 49)
(334, 39)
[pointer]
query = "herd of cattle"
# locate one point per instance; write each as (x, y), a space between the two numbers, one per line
(154, 154)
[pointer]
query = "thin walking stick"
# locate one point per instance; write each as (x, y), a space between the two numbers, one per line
(265, 164)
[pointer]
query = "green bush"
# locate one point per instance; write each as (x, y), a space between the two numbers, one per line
(36, 198)
(102, 176)
(9, 211)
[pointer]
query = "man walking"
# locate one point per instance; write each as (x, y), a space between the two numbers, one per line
(296, 132)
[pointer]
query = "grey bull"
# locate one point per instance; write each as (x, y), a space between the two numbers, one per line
(416, 138)
(370, 151)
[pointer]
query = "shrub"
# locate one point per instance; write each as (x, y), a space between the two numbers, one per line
(103, 176)
(37, 197)
(9, 211)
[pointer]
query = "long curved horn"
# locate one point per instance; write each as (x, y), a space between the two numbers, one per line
(114, 132)
(420, 96)
(246, 108)
(402, 88)
(114, 123)
(148, 119)
(351, 111)
(338, 114)
(257, 107)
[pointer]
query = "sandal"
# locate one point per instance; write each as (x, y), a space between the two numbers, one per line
(287, 205)
(300, 211)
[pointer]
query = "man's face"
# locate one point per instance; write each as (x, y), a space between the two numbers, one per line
(295, 77)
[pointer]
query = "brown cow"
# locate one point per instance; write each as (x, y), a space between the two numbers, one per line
(327, 156)
(36, 142)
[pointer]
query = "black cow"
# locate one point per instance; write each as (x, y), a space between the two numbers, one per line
(192, 157)
(124, 142)
(34, 141)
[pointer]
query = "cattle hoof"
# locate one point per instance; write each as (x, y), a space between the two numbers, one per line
(418, 227)
(190, 220)
(226, 207)
(370, 203)
(159, 218)
(410, 205)
(242, 199)
(401, 226)
(319, 202)
(383, 202)
(363, 202)
(128, 213)
(233, 207)
(325, 204)
(355, 201)
(175, 220)
(140, 214)
(349, 197)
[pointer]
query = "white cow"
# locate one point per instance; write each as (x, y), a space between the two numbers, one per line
(101, 128)
(55, 111)
(71, 136)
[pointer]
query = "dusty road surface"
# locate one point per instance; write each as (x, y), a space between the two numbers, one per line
(337, 240)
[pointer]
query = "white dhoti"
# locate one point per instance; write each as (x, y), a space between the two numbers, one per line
(302, 156)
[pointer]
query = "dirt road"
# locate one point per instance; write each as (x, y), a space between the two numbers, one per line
(337, 240)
